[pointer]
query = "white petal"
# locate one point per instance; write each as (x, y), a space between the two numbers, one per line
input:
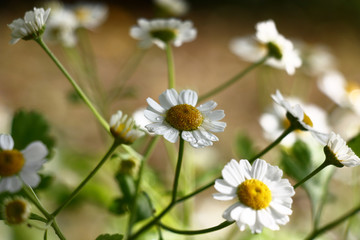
(171, 135)
(223, 197)
(155, 107)
(280, 209)
(208, 106)
(265, 218)
(232, 174)
(11, 184)
(216, 115)
(248, 216)
(227, 212)
(6, 142)
(223, 187)
(31, 178)
(259, 168)
(169, 98)
(35, 151)
(188, 97)
(153, 117)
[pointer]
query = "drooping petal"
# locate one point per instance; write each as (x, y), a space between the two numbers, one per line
(6, 142)
(35, 151)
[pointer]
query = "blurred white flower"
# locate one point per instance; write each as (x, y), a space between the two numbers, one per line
(90, 15)
(124, 129)
(31, 26)
(20, 166)
(177, 115)
(174, 7)
(162, 32)
(318, 60)
(264, 198)
(267, 40)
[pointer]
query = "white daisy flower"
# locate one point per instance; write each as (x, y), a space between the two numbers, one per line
(16, 210)
(123, 128)
(176, 114)
(163, 31)
(268, 41)
(90, 15)
(318, 60)
(344, 93)
(31, 27)
(298, 118)
(20, 166)
(264, 198)
(338, 153)
(174, 7)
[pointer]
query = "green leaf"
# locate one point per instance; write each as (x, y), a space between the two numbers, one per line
(127, 185)
(354, 144)
(119, 206)
(110, 237)
(28, 127)
(144, 207)
(244, 146)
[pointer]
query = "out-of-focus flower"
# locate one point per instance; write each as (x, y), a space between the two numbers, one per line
(162, 32)
(267, 41)
(123, 128)
(177, 115)
(173, 7)
(342, 92)
(31, 26)
(264, 198)
(16, 210)
(20, 166)
(141, 120)
(317, 60)
(90, 15)
(338, 153)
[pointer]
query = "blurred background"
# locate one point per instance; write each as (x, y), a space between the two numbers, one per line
(30, 81)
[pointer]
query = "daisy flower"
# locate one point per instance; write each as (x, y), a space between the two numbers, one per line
(90, 15)
(298, 119)
(267, 41)
(20, 166)
(16, 210)
(174, 7)
(31, 27)
(177, 115)
(162, 32)
(263, 197)
(123, 128)
(338, 153)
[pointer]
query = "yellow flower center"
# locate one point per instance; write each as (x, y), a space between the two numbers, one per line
(16, 211)
(184, 117)
(254, 193)
(82, 14)
(11, 162)
(307, 120)
(287, 122)
(165, 35)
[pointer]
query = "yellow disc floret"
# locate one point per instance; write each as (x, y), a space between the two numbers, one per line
(11, 162)
(16, 211)
(184, 117)
(254, 193)
(307, 120)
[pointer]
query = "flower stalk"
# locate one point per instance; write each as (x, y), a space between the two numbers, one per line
(171, 67)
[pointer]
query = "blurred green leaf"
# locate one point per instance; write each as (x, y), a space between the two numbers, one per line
(110, 237)
(119, 206)
(74, 97)
(354, 144)
(127, 185)
(46, 181)
(144, 208)
(244, 146)
(31, 126)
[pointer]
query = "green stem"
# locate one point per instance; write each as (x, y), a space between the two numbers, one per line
(84, 182)
(195, 192)
(273, 144)
(195, 232)
(147, 154)
(173, 197)
(171, 68)
(233, 79)
(102, 121)
(333, 224)
(313, 173)
(57, 230)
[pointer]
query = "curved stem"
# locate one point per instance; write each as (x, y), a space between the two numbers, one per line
(84, 182)
(233, 79)
(195, 192)
(195, 232)
(171, 68)
(313, 173)
(173, 197)
(102, 121)
(273, 144)
(147, 154)
(333, 224)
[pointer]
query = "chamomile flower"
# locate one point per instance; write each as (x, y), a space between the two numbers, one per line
(31, 26)
(173, 7)
(90, 15)
(162, 32)
(267, 41)
(177, 115)
(263, 197)
(298, 119)
(338, 153)
(123, 128)
(20, 166)
(16, 210)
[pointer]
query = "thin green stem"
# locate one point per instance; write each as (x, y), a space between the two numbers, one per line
(85, 181)
(333, 224)
(77, 88)
(273, 144)
(233, 79)
(57, 230)
(313, 173)
(195, 232)
(173, 197)
(171, 68)
(195, 192)
(147, 155)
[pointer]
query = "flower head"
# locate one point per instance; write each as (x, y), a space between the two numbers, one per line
(176, 114)
(31, 27)
(173, 7)
(90, 15)
(20, 166)
(123, 128)
(16, 210)
(264, 198)
(338, 153)
(162, 32)
(268, 41)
